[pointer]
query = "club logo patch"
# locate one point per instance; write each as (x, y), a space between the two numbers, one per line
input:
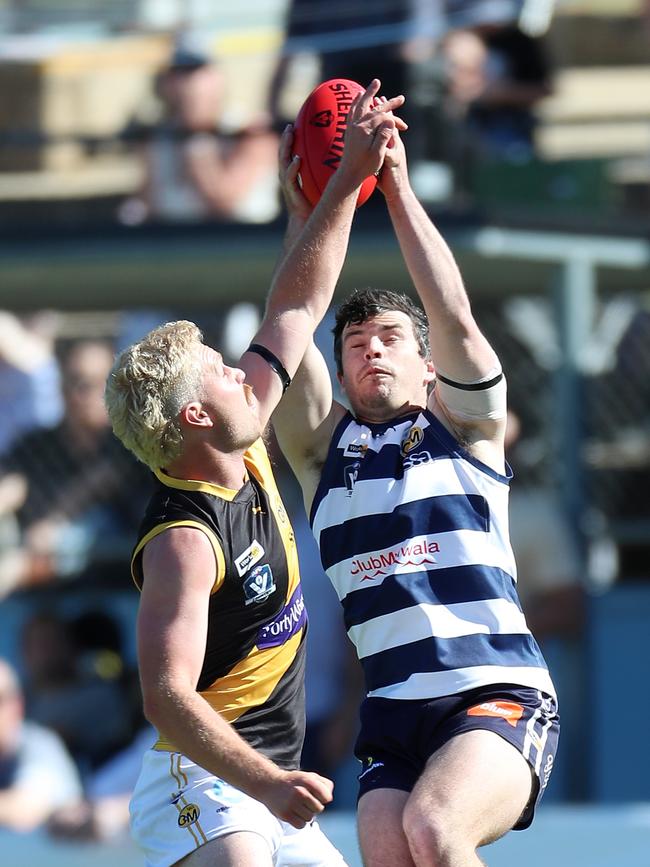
(248, 558)
(412, 440)
(259, 585)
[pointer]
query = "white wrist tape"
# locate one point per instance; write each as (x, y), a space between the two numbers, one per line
(484, 398)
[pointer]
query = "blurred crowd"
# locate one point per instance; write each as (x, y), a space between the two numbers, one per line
(205, 144)
(191, 134)
(486, 73)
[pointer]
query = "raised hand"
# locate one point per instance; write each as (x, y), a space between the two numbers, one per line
(394, 173)
(371, 127)
(297, 204)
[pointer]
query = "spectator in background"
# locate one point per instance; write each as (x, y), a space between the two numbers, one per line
(195, 169)
(37, 776)
(30, 388)
(88, 707)
(494, 76)
(72, 487)
(359, 42)
(103, 813)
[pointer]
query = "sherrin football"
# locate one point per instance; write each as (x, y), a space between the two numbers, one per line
(318, 137)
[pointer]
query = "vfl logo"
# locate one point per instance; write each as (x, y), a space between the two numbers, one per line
(248, 558)
(350, 474)
(188, 815)
(259, 585)
(412, 440)
(322, 118)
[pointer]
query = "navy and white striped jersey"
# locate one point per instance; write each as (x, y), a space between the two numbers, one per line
(413, 533)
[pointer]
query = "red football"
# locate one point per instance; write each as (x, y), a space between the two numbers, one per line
(318, 137)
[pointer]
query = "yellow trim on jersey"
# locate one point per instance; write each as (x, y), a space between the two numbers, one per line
(252, 681)
(197, 525)
(196, 485)
(258, 463)
(249, 684)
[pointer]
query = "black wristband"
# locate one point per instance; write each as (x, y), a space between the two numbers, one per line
(273, 362)
(471, 386)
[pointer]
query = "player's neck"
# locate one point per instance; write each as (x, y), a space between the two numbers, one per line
(217, 468)
(367, 415)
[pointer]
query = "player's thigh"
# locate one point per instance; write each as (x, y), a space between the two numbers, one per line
(238, 849)
(381, 836)
(476, 785)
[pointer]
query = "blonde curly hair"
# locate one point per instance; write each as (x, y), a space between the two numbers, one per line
(148, 386)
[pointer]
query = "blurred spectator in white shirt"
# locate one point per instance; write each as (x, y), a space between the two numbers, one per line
(30, 382)
(196, 169)
(37, 775)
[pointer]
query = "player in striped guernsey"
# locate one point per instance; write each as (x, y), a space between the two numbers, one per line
(222, 624)
(408, 497)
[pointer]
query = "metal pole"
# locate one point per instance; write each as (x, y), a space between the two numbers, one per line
(575, 305)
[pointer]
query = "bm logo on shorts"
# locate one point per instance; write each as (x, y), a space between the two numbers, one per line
(188, 815)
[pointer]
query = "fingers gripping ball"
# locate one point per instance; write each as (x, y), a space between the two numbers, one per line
(319, 135)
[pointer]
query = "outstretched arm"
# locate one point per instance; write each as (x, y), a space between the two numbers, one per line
(460, 352)
(304, 282)
(179, 568)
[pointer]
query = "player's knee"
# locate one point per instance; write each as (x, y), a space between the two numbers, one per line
(425, 835)
(434, 839)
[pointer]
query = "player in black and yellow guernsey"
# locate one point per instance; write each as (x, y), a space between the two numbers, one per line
(221, 624)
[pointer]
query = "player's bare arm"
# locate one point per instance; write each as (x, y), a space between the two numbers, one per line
(303, 285)
(460, 352)
(180, 571)
(316, 260)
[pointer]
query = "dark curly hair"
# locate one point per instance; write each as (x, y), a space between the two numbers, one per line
(363, 304)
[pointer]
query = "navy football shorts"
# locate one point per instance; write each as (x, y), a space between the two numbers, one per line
(397, 737)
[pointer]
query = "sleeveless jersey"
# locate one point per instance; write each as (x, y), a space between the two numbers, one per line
(253, 670)
(413, 533)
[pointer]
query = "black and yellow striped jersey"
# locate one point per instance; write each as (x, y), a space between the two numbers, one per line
(253, 671)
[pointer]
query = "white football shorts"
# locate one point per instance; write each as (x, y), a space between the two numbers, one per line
(178, 806)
